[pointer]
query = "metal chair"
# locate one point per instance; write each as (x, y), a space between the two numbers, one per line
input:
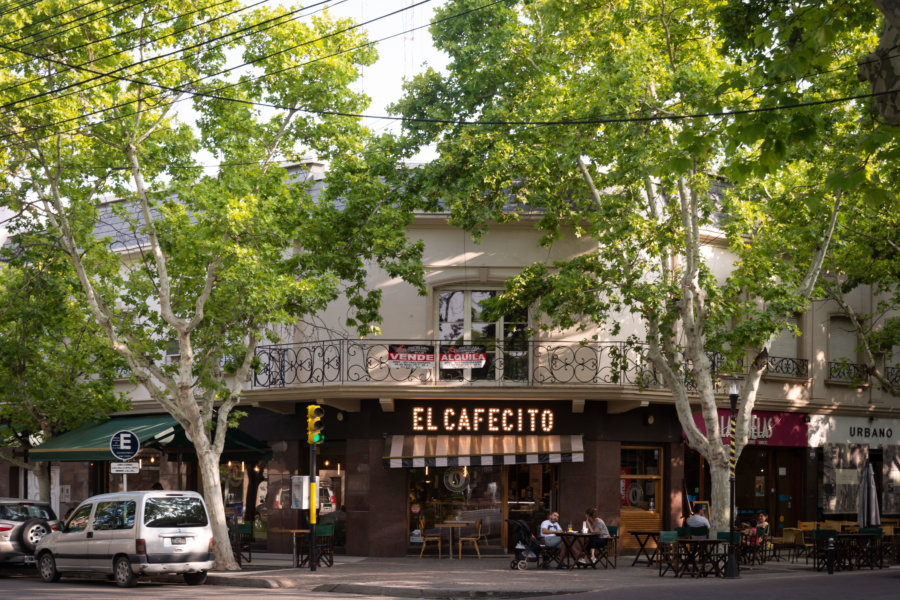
(325, 544)
(472, 539)
(668, 552)
(430, 538)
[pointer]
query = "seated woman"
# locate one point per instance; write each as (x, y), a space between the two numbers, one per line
(595, 525)
(762, 522)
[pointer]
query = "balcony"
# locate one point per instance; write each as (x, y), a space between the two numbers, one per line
(842, 372)
(528, 364)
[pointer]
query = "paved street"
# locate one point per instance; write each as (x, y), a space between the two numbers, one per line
(360, 578)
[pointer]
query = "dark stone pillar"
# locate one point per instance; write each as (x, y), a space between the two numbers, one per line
(594, 482)
(376, 502)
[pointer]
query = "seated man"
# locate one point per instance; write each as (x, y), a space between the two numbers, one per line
(549, 529)
(698, 519)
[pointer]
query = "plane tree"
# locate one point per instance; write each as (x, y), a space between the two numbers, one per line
(153, 142)
(636, 125)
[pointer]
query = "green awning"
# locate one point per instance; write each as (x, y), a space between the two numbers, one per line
(91, 441)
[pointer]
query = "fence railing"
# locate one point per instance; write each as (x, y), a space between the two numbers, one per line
(533, 363)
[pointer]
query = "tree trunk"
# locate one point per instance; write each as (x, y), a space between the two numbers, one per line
(720, 497)
(41, 470)
(208, 463)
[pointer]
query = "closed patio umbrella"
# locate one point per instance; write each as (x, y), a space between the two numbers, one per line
(869, 514)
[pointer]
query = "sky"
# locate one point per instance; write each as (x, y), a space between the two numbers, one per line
(398, 58)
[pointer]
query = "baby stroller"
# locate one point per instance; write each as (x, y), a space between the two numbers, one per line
(527, 547)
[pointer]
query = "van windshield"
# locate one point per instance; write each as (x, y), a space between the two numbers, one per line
(174, 512)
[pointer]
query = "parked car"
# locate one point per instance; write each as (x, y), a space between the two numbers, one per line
(128, 534)
(326, 500)
(22, 525)
(325, 506)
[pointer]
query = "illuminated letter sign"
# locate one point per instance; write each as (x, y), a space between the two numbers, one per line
(483, 420)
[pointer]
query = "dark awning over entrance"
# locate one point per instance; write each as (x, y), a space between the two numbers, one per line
(91, 441)
(405, 451)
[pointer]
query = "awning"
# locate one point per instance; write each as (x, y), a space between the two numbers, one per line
(91, 442)
(405, 451)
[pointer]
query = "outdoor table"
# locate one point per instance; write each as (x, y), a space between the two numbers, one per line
(698, 558)
(297, 562)
(643, 538)
(450, 526)
(575, 545)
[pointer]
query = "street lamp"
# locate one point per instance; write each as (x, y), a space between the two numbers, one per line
(731, 567)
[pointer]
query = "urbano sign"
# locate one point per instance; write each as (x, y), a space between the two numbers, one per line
(875, 432)
(124, 444)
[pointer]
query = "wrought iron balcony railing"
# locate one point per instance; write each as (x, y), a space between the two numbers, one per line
(533, 363)
(847, 372)
(893, 375)
(788, 367)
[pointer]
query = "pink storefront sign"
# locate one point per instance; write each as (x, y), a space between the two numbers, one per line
(766, 428)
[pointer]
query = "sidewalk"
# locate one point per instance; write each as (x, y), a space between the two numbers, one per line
(412, 577)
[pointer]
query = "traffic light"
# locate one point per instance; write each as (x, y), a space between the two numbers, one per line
(314, 424)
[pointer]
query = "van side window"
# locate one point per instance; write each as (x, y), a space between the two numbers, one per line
(105, 516)
(80, 518)
(114, 515)
(126, 514)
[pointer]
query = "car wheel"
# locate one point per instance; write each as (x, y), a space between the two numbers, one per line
(32, 532)
(195, 578)
(122, 572)
(47, 568)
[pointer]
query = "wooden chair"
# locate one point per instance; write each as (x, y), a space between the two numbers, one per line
(325, 544)
(430, 538)
(472, 539)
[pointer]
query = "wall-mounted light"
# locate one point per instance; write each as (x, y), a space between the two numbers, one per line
(327, 463)
(340, 416)
(256, 468)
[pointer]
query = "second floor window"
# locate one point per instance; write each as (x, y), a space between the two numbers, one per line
(460, 322)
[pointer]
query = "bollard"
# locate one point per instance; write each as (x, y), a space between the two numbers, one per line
(829, 556)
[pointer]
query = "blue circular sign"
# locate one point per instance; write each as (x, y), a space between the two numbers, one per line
(124, 444)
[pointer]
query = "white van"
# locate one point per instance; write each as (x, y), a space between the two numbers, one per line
(127, 534)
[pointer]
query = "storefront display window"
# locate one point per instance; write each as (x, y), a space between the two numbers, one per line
(531, 492)
(640, 483)
(441, 494)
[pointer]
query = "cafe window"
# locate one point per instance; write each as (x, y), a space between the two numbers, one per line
(640, 477)
(439, 495)
(505, 340)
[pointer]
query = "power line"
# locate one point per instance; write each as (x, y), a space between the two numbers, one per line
(99, 75)
(39, 21)
(587, 121)
(75, 22)
(184, 90)
(162, 37)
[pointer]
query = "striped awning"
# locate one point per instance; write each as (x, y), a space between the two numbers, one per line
(406, 451)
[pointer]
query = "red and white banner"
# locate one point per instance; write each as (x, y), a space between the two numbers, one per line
(401, 356)
(463, 357)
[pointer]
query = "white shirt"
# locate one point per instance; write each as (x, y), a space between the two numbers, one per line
(549, 525)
